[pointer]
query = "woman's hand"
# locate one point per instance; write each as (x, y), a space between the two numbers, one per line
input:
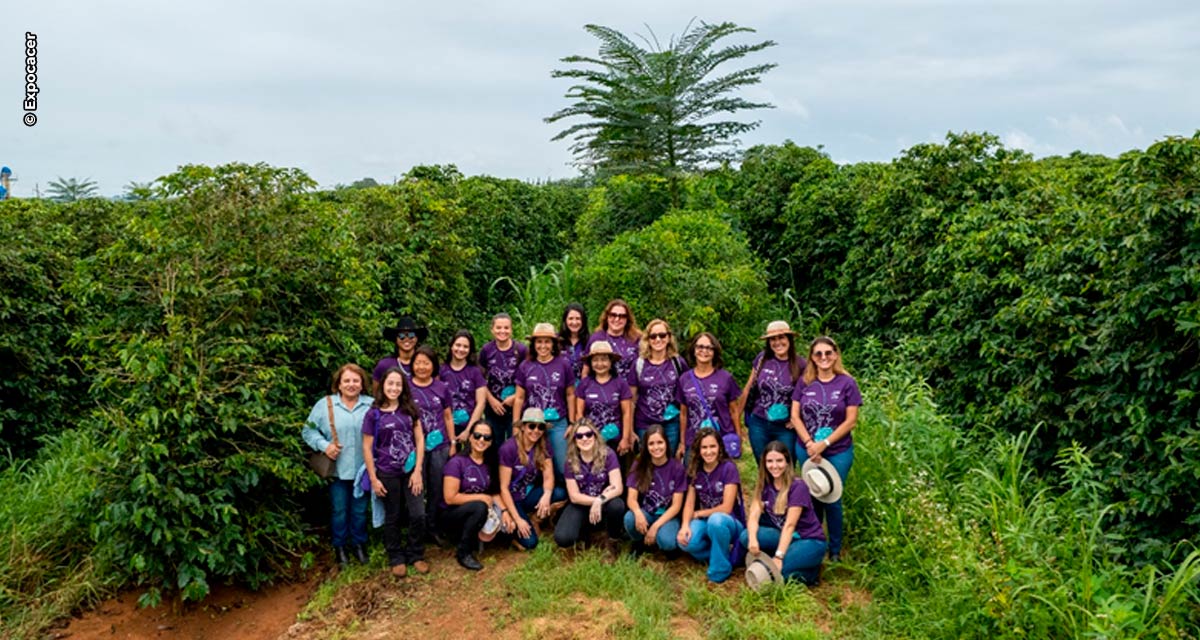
(496, 405)
(543, 506)
(624, 446)
(594, 513)
(778, 562)
(333, 450)
(506, 522)
(415, 483)
(753, 546)
(651, 535)
(685, 536)
(639, 521)
(523, 528)
(377, 487)
(815, 449)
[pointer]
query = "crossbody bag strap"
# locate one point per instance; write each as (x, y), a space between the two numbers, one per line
(700, 392)
(332, 428)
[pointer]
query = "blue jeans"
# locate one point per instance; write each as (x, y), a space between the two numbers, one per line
(712, 540)
(763, 432)
(348, 515)
(501, 424)
(667, 536)
(557, 433)
(831, 513)
(528, 505)
(671, 428)
(803, 558)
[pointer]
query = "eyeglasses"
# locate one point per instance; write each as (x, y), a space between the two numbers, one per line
(618, 316)
(535, 426)
(585, 435)
(704, 347)
(486, 437)
(659, 336)
(406, 335)
(824, 354)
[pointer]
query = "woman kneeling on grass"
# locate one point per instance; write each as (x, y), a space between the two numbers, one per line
(594, 487)
(527, 477)
(781, 519)
(657, 483)
(712, 512)
(393, 444)
(468, 496)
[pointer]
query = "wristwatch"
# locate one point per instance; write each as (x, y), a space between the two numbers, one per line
(779, 554)
(825, 442)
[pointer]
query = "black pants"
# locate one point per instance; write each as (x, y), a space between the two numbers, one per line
(463, 522)
(403, 510)
(573, 522)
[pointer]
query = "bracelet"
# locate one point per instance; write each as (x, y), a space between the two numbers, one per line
(825, 442)
(779, 554)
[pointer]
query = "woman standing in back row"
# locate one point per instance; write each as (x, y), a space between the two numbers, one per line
(618, 328)
(774, 374)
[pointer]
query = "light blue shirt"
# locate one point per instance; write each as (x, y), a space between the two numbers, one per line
(318, 435)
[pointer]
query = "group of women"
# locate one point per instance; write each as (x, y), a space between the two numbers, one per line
(615, 431)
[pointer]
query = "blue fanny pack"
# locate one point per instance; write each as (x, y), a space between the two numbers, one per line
(822, 433)
(551, 414)
(507, 392)
(410, 462)
(433, 440)
(610, 431)
(670, 412)
(461, 416)
(777, 412)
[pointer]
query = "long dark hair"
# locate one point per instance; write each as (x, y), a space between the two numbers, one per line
(643, 467)
(694, 461)
(407, 405)
(472, 357)
(793, 362)
(491, 458)
(555, 347)
(631, 328)
(564, 333)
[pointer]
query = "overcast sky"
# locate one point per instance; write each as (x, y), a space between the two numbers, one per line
(131, 90)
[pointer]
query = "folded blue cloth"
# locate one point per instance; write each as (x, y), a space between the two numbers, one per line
(362, 485)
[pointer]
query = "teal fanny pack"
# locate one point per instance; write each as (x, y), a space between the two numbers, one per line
(433, 440)
(610, 431)
(507, 392)
(461, 416)
(777, 412)
(410, 462)
(551, 414)
(671, 412)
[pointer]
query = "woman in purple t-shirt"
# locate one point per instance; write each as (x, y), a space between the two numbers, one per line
(527, 477)
(712, 511)
(824, 412)
(657, 483)
(594, 489)
(464, 379)
(544, 381)
(499, 359)
(572, 335)
(432, 398)
(773, 376)
(468, 494)
(653, 378)
(708, 394)
(781, 520)
(393, 444)
(406, 335)
(605, 398)
(619, 328)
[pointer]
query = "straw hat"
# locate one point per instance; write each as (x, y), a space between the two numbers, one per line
(761, 570)
(601, 348)
(533, 415)
(777, 328)
(543, 330)
(492, 526)
(822, 479)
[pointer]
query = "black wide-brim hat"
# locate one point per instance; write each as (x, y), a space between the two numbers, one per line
(405, 323)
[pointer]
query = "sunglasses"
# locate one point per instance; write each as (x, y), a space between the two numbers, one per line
(824, 354)
(585, 435)
(535, 426)
(406, 335)
(486, 437)
(659, 336)
(613, 314)
(704, 347)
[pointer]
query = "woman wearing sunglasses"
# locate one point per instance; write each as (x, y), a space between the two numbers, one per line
(653, 379)
(824, 412)
(527, 477)
(406, 335)
(468, 495)
(618, 328)
(768, 394)
(594, 489)
(708, 395)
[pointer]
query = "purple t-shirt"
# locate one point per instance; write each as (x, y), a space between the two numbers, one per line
(393, 433)
(798, 496)
(602, 402)
(710, 487)
(775, 385)
(501, 366)
(591, 483)
(719, 390)
(545, 384)
(627, 348)
(656, 390)
(382, 366)
(823, 404)
(462, 385)
(525, 474)
(574, 355)
(472, 477)
(431, 403)
(666, 480)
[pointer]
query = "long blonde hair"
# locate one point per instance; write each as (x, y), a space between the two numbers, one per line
(781, 499)
(644, 342)
(573, 459)
(810, 368)
(540, 455)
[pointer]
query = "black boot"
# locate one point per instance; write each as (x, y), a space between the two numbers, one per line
(343, 560)
(468, 561)
(360, 553)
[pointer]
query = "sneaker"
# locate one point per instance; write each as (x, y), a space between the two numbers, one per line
(360, 553)
(343, 560)
(469, 562)
(421, 566)
(399, 571)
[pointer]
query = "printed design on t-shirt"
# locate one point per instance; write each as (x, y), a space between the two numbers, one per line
(769, 497)
(501, 370)
(696, 413)
(393, 439)
(590, 484)
(473, 480)
(655, 499)
(659, 391)
(541, 393)
(817, 414)
(462, 394)
(429, 405)
(709, 492)
(523, 477)
(603, 407)
(773, 389)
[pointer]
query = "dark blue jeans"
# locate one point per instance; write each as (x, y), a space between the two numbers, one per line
(528, 505)
(762, 432)
(348, 515)
(832, 513)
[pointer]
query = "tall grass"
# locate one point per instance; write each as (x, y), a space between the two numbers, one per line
(541, 297)
(961, 537)
(47, 564)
